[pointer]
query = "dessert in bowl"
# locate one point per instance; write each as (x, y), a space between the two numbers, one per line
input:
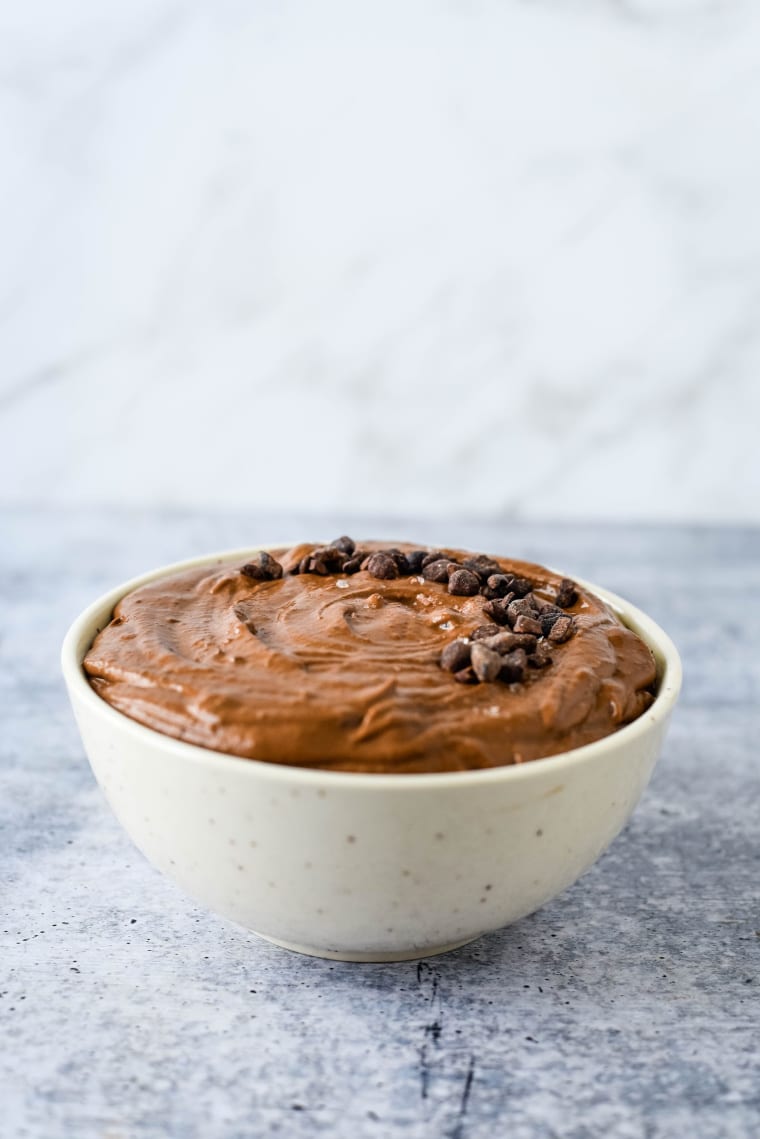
(374, 753)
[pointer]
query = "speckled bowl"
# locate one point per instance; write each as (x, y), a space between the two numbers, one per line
(365, 867)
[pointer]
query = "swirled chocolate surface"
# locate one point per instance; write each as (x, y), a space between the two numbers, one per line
(342, 670)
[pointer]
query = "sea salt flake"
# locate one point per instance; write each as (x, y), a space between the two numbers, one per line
(446, 625)
(342, 583)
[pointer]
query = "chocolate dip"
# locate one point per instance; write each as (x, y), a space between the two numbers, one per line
(372, 669)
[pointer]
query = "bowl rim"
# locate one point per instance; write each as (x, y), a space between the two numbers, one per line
(84, 628)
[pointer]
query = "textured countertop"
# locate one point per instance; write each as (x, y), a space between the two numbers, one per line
(628, 1007)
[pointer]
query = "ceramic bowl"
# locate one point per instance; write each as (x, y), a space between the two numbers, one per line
(365, 867)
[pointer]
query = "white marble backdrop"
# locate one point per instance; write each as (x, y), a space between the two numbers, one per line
(423, 257)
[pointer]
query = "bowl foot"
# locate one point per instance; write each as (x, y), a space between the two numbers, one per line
(376, 955)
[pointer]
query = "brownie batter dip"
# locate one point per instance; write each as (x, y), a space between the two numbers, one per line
(374, 659)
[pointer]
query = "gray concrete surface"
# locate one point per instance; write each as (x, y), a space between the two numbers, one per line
(627, 1008)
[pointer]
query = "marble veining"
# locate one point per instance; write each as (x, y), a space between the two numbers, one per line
(484, 258)
(626, 1007)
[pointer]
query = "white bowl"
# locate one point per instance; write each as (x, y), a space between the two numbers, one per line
(365, 867)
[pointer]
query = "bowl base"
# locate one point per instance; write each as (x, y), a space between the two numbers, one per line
(376, 955)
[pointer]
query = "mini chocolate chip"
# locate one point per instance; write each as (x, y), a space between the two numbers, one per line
(456, 656)
(492, 594)
(262, 567)
(519, 608)
(567, 594)
(517, 586)
(525, 624)
(499, 584)
(484, 631)
(540, 657)
(433, 556)
(513, 666)
(402, 565)
(520, 586)
(414, 560)
(322, 560)
(504, 642)
(482, 566)
(489, 594)
(352, 565)
(345, 544)
(497, 611)
(547, 607)
(548, 619)
(332, 556)
(438, 570)
(464, 583)
(466, 676)
(382, 565)
(486, 663)
(562, 630)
